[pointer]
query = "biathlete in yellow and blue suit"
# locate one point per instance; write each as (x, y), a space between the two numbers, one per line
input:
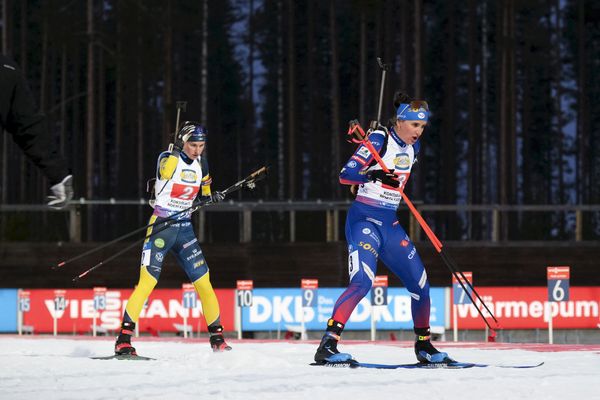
(181, 175)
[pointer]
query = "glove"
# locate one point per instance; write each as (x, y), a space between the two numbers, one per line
(386, 178)
(217, 197)
(62, 192)
(183, 136)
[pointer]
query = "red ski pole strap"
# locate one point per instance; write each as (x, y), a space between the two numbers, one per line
(356, 134)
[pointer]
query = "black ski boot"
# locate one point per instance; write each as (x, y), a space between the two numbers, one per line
(327, 350)
(217, 341)
(425, 351)
(123, 345)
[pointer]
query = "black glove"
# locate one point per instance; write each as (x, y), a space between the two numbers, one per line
(182, 136)
(62, 192)
(217, 197)
(386, 178)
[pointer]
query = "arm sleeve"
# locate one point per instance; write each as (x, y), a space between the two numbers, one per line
(206, 179)
(167, 163)
(354, 172)
(28, 126)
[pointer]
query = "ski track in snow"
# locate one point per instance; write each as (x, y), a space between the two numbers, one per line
(48, 368)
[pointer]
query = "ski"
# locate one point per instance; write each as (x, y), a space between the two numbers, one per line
(419, 365)
(124, 357)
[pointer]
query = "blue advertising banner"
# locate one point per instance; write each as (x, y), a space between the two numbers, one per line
(8, 310)
(274, 309)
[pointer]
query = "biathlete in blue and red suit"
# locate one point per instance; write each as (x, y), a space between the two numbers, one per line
(373, 231)
(181, 176)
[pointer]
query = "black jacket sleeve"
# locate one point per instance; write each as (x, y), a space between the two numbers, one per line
(19, 117)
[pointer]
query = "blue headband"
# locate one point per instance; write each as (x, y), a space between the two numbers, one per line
(414, 111)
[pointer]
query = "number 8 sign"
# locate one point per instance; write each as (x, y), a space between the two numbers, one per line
(558, 283)
(379, 291)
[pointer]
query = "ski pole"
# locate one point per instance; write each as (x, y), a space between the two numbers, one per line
(125, 236)
(249, 182)
(117, 254)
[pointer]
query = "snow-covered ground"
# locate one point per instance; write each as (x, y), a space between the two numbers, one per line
(47, 368)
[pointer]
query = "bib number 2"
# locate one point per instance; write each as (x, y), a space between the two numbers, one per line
(184, 192)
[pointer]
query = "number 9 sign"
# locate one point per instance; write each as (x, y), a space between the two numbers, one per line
(309, 292)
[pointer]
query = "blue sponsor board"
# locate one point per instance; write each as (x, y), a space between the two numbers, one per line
(273, 309)
(8, 310)
(459, 294)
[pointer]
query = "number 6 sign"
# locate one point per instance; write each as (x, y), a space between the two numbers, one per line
(558, 283)
(558, 290)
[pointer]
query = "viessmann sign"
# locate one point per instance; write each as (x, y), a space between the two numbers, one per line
(163, 309)
(523, 308)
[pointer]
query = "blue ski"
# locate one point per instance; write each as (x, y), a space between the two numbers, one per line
(449, 365)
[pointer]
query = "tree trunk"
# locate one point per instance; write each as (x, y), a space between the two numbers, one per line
(291, 106)
(526, 118)
(168, 77)
(405, 39)
(140, 107)
(486, 169)
(5, 28)
(335, 102)
(77, 140)
(584, 167)
(363, 67)
(24, 165)
(90, 114)
(204, 65)
(280, 101)
(559, 113)
(63, 99)
(418, 50)
(473, 124)
(4, 136)
(40, 179)
(101, 118)
(24, 47)
(251, 123)
(449, 112)
(116, 161)
(418, 186)
(507, 142)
